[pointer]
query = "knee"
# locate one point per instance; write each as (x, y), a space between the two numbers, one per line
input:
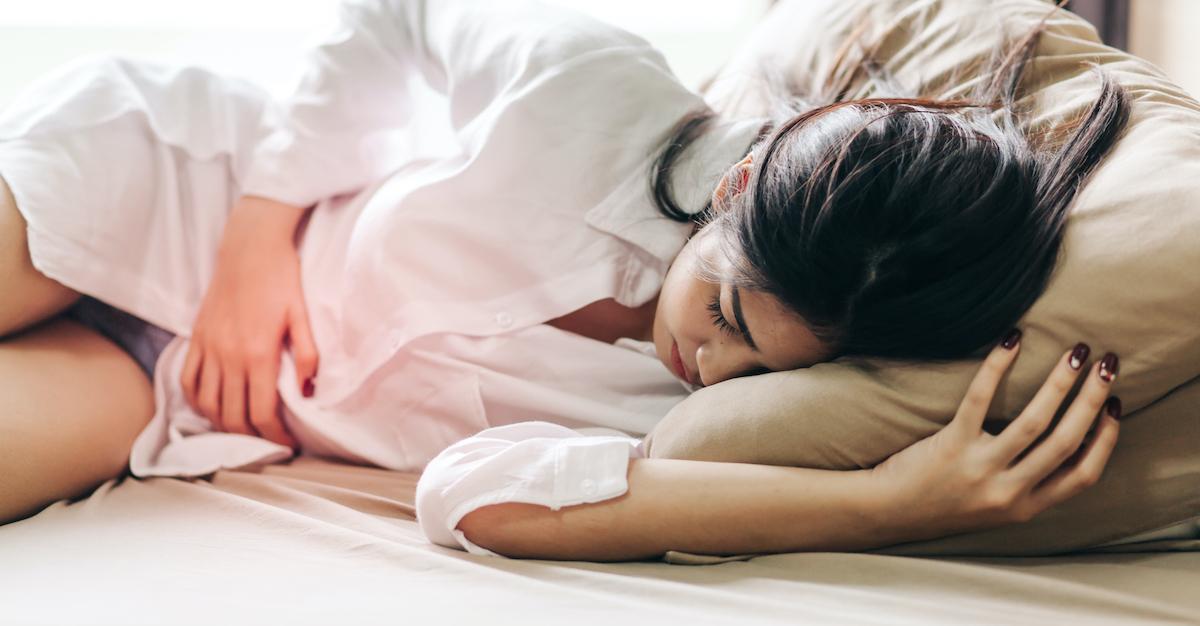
(26, 490)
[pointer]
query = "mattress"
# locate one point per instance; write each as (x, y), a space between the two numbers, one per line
(319, 542)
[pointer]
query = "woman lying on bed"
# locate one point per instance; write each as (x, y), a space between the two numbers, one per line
(586, 245)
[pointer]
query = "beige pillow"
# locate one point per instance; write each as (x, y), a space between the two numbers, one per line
(1128, 281)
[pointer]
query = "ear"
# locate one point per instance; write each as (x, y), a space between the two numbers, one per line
(735, 180)
(741, 174)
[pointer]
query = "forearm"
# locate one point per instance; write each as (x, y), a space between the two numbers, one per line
(255, 220)
(702, 507)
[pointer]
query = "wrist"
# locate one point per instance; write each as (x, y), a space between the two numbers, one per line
(262, 220)
(895, 510)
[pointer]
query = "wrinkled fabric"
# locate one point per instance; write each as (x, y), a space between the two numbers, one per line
(312, 542)
(530, 462)
(474, 169)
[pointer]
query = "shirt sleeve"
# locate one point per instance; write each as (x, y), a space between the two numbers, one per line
(532, 462)
(363, 93)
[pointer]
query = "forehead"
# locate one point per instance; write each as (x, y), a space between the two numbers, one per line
(782, 336)
(709, 249)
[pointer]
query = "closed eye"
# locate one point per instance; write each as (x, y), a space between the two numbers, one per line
(714, 310)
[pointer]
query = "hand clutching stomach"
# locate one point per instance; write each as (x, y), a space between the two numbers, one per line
(963, 478)
(253, 303)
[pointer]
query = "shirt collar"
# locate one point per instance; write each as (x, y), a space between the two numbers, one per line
(630, 212)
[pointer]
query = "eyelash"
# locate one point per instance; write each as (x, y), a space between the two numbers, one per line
(714, 309)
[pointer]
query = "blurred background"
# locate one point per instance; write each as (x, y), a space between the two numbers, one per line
(263, 40)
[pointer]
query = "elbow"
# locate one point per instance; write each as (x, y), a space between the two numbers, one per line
(532, 531)
(512, 529)
(431, 508)
(509, 529)
(479, 526)
(501, 528)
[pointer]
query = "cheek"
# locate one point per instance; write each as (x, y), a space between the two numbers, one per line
(688, 315)
(668, 306)
(681, 309)
(672, 306)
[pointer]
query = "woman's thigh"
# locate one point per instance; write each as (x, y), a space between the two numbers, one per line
(71, 404)
(29, 296)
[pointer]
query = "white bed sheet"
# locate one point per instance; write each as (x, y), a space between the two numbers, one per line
(315, 542)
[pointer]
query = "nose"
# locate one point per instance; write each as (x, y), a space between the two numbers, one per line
(718, 362)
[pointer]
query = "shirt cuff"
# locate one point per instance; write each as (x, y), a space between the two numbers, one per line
(559, 468)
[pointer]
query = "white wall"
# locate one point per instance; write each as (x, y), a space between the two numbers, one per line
(263, 40)
(1167, 33)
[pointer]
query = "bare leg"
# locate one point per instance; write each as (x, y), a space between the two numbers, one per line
(71, 404)
(71, 401)
(28, 296)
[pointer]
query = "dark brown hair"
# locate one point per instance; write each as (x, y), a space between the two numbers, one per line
(904, 226)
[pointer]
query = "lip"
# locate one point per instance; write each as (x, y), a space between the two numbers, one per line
(677, 362)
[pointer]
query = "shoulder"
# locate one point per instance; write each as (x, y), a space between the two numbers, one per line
(522, 30)
(530, 16)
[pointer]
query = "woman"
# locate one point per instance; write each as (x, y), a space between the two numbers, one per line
(452, 211)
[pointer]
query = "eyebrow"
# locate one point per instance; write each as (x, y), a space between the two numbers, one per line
(741, 321)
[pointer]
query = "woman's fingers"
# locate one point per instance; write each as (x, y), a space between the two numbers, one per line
(264, 404)
(974, 407)
(274, 429)
(191, 370)
(233, 400)
(1071, 479)
(208, 394)
(304, 347)
(1068, 434)
(1036, 418)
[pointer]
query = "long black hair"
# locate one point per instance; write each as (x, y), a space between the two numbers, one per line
(903, 226)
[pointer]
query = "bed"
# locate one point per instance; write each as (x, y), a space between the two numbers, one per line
(314, 541)
(318, 542)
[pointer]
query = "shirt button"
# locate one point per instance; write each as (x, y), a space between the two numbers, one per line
(588, 486)
(504, 319)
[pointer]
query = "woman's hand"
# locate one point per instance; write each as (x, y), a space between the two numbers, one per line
(959, 479)
(963, 478)
(252, 303)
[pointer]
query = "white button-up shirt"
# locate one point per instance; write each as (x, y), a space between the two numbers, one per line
(477, 169)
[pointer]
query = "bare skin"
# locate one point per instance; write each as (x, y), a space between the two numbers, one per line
(56, 445)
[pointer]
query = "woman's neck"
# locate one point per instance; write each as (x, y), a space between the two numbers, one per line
(607, 321)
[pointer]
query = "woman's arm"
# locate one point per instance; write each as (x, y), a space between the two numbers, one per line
(253, 302)
(393, 73)
(960, 479)
(702, 507)
(254, 220)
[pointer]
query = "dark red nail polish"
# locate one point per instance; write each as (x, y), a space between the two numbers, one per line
(1011, 339)
(1113, 407)
(309, 388)
(1108, 367)
(1079, 355)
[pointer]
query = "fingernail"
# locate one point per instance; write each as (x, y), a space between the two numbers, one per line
(1011, 339)
(1079, 355)
(1108, 367)
(1113, 407)
(309, 388)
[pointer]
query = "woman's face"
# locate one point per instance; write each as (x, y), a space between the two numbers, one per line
(719, 332)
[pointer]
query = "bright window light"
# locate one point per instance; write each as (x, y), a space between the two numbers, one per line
(264, 40)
